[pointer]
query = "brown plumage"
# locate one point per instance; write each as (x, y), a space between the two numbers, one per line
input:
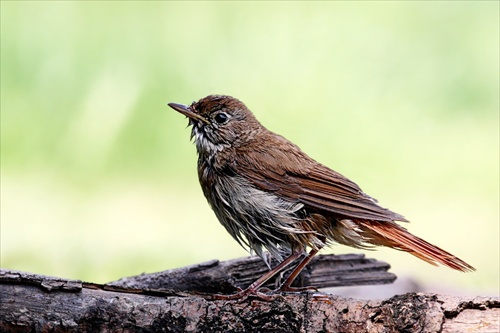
(269, 194)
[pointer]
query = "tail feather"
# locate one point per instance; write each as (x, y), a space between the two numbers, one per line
(393, 235)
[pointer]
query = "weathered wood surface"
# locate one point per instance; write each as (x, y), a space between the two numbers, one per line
(35, 303)
(226, 276)
(27, 308)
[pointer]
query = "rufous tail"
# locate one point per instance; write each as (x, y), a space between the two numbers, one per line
(393, 235)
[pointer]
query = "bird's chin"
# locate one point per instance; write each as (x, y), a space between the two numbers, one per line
(198, 135)
(196, 129)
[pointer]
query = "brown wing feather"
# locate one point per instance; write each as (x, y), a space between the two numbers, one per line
(303, 179)
(328, 190)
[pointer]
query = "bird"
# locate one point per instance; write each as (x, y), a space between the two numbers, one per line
(271, 196)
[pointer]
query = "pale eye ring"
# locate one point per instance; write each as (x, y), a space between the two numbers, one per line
(221, 118)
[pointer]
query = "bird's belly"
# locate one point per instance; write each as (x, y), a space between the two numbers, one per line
(253, 217)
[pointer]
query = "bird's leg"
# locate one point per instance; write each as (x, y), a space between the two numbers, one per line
(287, 285)
(252, 290)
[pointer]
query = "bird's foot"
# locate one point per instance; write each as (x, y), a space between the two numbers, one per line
(244, 294)
(290, 289)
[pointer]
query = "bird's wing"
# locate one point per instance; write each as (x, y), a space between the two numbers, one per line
(284, 169)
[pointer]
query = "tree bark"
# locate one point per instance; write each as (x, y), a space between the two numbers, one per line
(227, 276)
(35, 303)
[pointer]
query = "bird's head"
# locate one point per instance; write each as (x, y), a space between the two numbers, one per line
(219, 122)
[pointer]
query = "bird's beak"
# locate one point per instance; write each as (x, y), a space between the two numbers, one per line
(186, 110)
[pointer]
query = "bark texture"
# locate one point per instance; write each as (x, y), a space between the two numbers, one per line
(35, 303)
(227, 276)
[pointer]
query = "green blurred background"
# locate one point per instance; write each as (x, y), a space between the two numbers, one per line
(98, 177)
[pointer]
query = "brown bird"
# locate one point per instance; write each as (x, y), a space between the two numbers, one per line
(270, 195)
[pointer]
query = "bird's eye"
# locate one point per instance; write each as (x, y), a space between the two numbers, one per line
(221, 118)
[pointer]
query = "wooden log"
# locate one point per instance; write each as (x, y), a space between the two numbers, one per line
(225, 277)
(31, 308)
(170, 301)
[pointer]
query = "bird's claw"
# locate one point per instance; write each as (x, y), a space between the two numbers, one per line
(244, 294)
(290, 289)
